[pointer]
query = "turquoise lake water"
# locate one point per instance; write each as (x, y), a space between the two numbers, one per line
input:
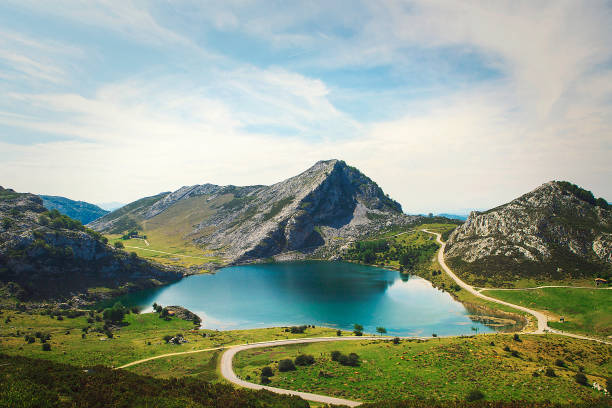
(335, 294)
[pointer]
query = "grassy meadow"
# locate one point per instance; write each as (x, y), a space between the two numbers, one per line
(585, 311)
(442, 369)
(141, 337)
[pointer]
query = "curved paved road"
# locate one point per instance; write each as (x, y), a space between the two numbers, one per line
(227, 370)
(541, 317)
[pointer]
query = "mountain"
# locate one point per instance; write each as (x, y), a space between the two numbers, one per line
(459, 217)
(79, 210)
(557, 231)
(44, 254)
(111, 205)
(324, 207)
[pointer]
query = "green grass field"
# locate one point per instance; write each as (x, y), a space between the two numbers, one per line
(587, 311)
(141, 338)
(443, 369)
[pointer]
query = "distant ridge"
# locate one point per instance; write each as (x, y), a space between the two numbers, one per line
(79, 210)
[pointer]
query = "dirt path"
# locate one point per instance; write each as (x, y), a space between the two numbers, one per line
(168, 355)
(542, 319)
(163, 252)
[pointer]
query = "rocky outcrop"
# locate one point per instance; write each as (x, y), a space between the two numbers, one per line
(556, 231)
(59, 258)
(329, 203)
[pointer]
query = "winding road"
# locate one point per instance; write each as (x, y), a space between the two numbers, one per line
(542, 319)
(226, 365)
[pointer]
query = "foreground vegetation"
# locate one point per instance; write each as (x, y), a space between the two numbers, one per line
(500, 367)
(26, 382)
(587, 311)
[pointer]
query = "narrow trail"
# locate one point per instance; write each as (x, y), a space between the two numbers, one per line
(546, 286)
(542, 319)
(167, 253)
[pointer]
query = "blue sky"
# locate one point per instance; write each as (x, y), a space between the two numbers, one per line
(447, 105)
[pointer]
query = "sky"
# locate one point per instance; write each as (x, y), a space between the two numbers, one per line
(448, 106)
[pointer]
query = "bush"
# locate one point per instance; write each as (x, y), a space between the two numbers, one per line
(304, 360)
(338, 333)
(298, 329)
(167, 338)
(609, 384)
(286, 365)
(265, 380)
(335, 355)
(267, 371)
(559, 363)
(474, 395)
(550, 372)
(352, 360)
(516, 337)
(506, 348)
(396, 340)
(581, 379)
(514, 353)
(115, 314)
(119, 245)
(46, 347)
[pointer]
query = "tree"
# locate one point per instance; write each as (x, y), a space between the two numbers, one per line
(119, 245)
(381, 330)
(115, 314)
(396, 340)
(581, 379)
(357, 329)
(338, 333)
(267, 371)
(286, 365)
(304, 360)
(474, 395)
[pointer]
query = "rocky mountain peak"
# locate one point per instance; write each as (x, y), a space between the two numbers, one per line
(557, 230)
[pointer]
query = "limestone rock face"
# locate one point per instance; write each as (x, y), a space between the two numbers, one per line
(549, 226)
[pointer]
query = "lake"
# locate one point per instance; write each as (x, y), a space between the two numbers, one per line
(334, 294)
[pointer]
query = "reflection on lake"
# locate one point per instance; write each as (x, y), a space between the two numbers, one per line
(334, 294)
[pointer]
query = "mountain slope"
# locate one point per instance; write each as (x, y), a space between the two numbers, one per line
(558, 231)
(321, 207)
(44, 254)
(78, 210)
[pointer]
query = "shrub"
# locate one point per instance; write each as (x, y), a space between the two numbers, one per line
(514, 353)
(335, 355)
(119, 245)
(115, 314)
(396, 340)
(516, 337)
(550, 372)
(297, 329)
(304, 360)
(29, 339)
(286, 365)
(267, 371)
(609, 384)
(474, 395)
(167, 338)
(506, 348)
(338, 332)
(581, 379)
(46, 347)
(559, 363)
(535, 374)
(265, 380)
